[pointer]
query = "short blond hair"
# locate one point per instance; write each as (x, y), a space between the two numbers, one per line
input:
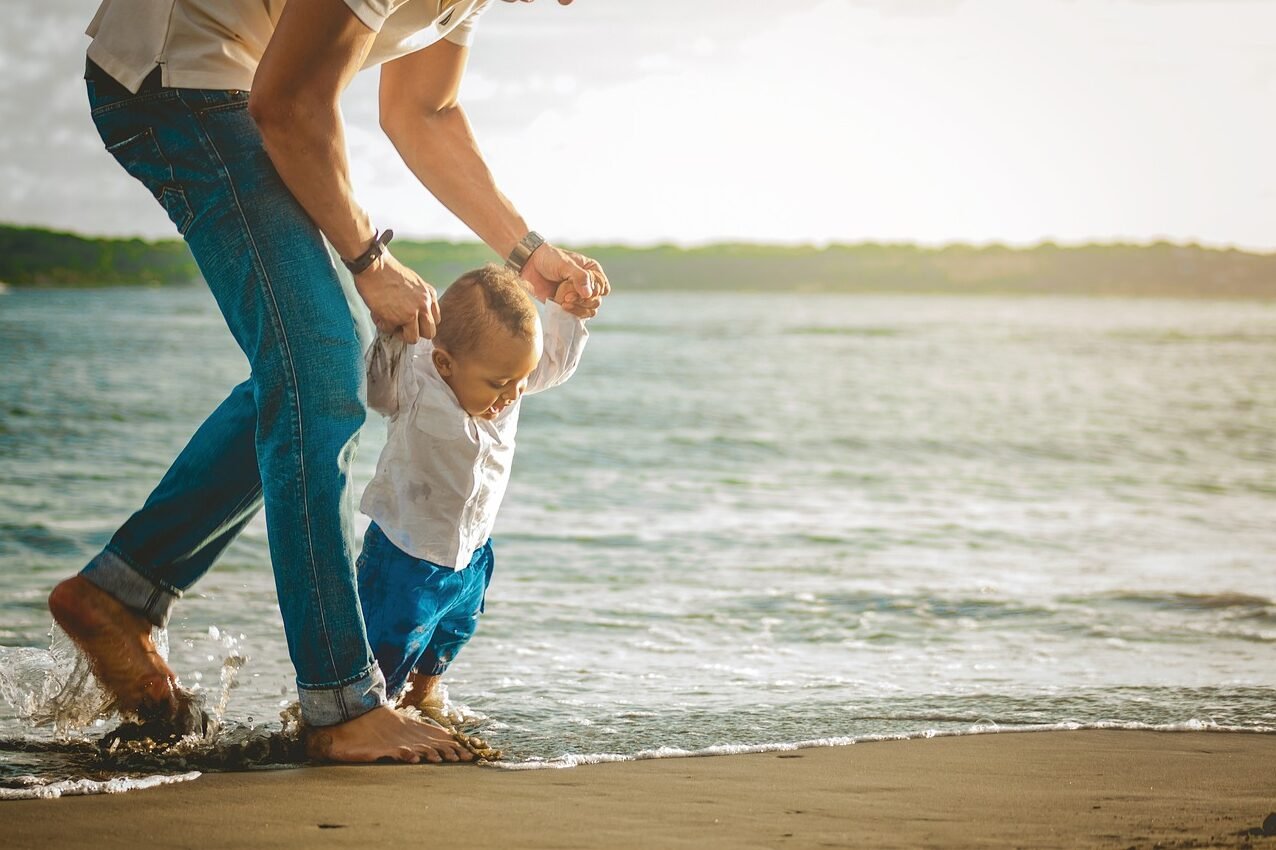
(481, 301)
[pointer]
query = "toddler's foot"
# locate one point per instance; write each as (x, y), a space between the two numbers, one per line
(424, 694)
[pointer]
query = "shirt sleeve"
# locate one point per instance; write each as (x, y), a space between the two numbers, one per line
(372, 13)
(463, 33)
(388, 363)
(565, 337)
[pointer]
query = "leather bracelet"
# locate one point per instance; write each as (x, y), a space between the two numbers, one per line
(517, 260)
(368, 257)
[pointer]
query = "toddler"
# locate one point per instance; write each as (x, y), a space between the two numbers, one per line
(453, 404)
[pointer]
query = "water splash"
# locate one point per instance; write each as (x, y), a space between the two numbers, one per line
(53, 687)
(233, 662)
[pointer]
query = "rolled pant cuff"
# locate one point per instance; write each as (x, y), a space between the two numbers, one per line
(328, 705)
(111, 572)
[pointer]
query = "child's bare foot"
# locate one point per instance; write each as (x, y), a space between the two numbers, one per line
(119, 646)
(423, 693)
(384, 733)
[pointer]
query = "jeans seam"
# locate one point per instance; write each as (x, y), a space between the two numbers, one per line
(134, 100)
(293, 393)
(244, 501)
(241, 504)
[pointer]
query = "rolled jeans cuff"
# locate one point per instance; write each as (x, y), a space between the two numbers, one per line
(328, 705)
(113, 573)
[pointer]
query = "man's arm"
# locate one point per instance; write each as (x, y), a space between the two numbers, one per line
(315, 51)
(421, 116)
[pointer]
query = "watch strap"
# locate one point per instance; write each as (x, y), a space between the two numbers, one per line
(368, 257)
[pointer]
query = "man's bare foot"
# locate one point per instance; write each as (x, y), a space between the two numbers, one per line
(119, 646)
(384, 733)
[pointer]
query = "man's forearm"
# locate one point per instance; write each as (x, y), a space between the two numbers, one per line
(441, 151)
(306, 143)
(317, 48)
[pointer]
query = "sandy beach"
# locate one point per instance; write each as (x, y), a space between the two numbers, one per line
(1118, 789)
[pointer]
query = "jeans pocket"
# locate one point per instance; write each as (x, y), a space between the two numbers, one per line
(217, 101)
(141, 157)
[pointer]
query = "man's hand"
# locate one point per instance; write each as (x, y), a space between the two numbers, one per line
(549, 267)
(400, 301)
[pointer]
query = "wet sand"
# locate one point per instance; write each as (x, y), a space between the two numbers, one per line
(1111, 789)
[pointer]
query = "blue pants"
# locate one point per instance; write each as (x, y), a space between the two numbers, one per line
(286, 436)
(419, 614)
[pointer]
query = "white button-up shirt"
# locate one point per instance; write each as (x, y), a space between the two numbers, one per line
(216, 44)
(443, 473)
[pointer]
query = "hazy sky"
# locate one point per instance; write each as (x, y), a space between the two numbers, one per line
(842, 120)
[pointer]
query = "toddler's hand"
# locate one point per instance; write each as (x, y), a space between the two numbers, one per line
(570, 300)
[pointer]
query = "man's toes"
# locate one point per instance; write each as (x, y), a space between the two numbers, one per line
(408, 755)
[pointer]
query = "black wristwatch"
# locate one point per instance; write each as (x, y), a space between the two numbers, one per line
(368, 257)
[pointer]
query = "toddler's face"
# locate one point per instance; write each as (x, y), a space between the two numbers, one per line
(493, 375)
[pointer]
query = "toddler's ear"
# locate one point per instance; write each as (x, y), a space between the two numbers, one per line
(442, 361)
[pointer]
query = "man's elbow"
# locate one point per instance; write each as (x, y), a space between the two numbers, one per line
(265, 109)
(405, 122)
(396, 124)
(277, 113)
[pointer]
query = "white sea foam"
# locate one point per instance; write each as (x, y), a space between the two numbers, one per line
(577, 759)
(39, 789)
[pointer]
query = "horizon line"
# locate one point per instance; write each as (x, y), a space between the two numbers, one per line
(810, 244)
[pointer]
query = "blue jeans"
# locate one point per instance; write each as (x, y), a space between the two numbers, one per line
(419, 613)
(287, 435)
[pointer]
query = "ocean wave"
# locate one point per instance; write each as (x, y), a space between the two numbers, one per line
(34, 788)
(1175, 337)
(1257, 606)
(577, 759)
(827, 330)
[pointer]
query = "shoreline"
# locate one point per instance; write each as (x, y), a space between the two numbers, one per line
(1085, 788)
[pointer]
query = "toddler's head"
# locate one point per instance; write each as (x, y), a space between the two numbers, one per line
(488, 340)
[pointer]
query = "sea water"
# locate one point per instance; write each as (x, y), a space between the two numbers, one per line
(749, 521)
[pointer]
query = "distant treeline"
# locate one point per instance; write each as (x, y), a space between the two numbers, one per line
(34, 257)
